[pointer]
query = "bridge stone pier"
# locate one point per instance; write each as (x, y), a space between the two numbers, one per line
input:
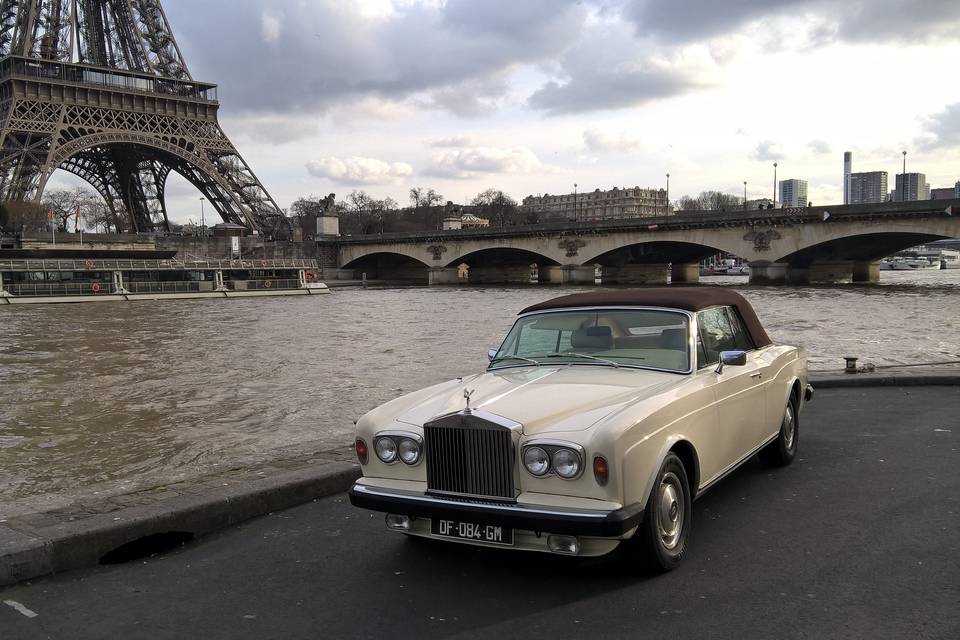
(835, 244)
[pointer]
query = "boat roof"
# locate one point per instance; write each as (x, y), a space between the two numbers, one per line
(686, 298)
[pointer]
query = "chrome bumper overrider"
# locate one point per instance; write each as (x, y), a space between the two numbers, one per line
(578, 522)
(808, 396)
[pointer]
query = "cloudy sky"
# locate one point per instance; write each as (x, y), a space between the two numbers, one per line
(532, 96)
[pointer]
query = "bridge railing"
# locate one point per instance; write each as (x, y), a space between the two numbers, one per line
(153, 265)
(676, 220)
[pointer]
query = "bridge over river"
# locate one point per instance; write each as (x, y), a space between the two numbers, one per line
(795, 246)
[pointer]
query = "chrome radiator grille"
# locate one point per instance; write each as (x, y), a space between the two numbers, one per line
(469, 460)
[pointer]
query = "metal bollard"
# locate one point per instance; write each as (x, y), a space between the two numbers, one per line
(363, 277)
(851, 364)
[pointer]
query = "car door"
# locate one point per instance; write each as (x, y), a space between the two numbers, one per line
(739, 392)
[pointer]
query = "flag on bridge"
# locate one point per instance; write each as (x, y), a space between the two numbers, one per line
(824, 216)
(949, 210)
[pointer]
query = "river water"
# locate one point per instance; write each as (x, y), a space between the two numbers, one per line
(106, 398)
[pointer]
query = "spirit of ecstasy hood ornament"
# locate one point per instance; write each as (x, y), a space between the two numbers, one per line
(466, 394)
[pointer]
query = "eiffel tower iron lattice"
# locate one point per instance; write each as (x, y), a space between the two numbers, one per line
(99, 88)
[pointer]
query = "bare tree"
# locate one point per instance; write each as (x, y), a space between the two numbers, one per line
(709, 201)
(495, 205)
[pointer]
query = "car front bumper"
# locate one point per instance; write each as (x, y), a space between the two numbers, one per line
(574, 522)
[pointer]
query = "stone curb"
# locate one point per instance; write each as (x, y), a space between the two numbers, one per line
(821, 380)
(27, 553)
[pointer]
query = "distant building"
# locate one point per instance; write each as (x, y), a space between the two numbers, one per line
(470, 221)
(793, 193)
(956, 190)
(947, 193)
(598, 205)
(916, 188)
(868, 187)
(760, 203)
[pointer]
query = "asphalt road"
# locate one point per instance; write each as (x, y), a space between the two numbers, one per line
(858, 539)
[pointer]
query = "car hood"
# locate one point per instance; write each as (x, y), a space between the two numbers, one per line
(556, 398)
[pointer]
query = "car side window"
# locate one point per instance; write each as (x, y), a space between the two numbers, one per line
(716, 334)
(743, 340)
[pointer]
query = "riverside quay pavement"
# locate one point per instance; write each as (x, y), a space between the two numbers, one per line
(860, 538)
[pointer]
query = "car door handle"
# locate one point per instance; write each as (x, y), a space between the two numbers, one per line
(756, 375)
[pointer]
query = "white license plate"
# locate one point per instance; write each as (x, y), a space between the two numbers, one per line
(489, 533)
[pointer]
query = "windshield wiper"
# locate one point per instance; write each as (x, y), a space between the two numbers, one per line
(501, 358)
(569, 354)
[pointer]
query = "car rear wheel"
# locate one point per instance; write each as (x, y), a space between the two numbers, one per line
(663, 534)
(783, 450)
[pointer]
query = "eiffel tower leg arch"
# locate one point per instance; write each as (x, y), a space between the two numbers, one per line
(132, 174)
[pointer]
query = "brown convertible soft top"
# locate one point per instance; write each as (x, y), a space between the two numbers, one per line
(686, 298)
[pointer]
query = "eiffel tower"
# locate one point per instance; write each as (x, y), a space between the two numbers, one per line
(99, 88)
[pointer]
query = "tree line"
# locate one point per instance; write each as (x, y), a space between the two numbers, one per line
(360, 213)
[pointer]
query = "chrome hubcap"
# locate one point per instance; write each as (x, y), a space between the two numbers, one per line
(788, 428)
(670, 510)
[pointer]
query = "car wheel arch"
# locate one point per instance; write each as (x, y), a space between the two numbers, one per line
(687, 453)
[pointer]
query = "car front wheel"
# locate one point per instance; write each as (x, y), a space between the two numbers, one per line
(663, 534)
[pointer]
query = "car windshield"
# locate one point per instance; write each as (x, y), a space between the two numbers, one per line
(646, 338)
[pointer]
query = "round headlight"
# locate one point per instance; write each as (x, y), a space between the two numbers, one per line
(386, 449)
(409, 451)
(566, 463)
(536, 461)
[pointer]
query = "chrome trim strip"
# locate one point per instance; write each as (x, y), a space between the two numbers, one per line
(736, 465)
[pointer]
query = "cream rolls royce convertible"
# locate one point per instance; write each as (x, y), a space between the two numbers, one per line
(598, 421)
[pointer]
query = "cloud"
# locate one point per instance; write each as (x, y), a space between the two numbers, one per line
(269, 27)
(598, 141)
(359, 171)
(471, 99)
(819, 147)
(610, 69)
(328, 52)
(767, 150)
(685, 21)
(453, 142)
(942, 130)
(474, 162)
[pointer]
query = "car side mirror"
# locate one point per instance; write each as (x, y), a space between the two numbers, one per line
(491, 354)
(732, 359)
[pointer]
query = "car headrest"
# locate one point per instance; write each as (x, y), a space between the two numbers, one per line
(592, 338)
(674, 339)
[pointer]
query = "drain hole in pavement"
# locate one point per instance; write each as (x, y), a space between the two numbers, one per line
(146, 546)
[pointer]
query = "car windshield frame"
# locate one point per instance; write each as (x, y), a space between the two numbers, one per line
(503, 361)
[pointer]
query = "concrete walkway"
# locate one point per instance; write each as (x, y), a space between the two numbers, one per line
(80, 534)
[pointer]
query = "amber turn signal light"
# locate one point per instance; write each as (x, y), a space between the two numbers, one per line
(600, 470)
(361, 448)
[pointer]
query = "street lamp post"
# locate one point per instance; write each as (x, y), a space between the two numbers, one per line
(668, 192)
(576, 211)
(744, 195)
(774, 185)
(203, 225)
(903, 179)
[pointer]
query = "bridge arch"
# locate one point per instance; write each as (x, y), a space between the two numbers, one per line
(389, 265)
(861, 247)
(654, 251)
